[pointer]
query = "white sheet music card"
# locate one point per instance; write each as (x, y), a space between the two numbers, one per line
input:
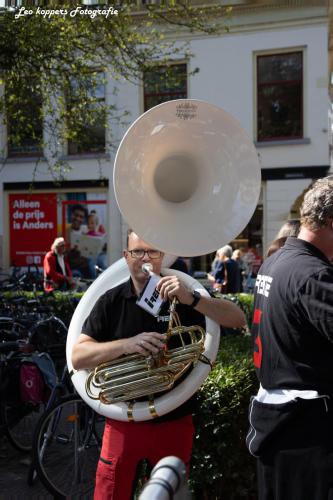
(150, 299)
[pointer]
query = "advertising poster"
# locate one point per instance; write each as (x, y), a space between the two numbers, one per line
(84, 229)
(36, 219)
(33, 227)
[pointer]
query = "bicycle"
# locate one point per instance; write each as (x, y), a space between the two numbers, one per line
(17, 418)
(23, 335)
(67, 438)
(34, 320)
(62, 388)
(30, 278)
(67, 446)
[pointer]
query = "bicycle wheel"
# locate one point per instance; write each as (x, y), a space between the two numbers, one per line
(98, 428)
(20, 421)
(66, 449)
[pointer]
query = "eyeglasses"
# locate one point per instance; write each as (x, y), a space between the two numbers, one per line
(139, 254)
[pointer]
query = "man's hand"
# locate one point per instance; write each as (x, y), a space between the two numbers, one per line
(145, 343)
(171, 286)
(88, 353)
(223, 312)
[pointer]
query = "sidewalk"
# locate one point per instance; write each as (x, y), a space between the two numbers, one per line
(13, 476)
(14, 466)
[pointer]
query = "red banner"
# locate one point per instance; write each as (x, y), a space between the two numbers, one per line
(33, 227)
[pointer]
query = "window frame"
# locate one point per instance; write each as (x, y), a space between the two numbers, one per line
(279, 52)
(168, 64)
(36, 148)
(72, 143)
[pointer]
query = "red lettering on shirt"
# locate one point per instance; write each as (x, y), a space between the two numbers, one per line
(257, 316)
(257, 355)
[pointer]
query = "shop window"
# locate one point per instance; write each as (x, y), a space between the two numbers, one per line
(280, 96)
(86, 114)
(164, 83)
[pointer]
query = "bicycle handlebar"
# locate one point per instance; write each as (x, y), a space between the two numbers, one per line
(8, 346)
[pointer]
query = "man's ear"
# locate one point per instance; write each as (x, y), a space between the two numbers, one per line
(125, 253)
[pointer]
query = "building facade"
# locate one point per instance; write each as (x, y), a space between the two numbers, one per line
(270, 71)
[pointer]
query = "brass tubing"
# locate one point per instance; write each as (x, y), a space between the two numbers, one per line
(134, 376)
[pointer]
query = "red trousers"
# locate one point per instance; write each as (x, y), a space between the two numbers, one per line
(126, 443)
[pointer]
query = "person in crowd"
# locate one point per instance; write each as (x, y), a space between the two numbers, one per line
(276, 245)
(57, 271)
(252, 261)
(82, 267)
(256, 263)
(180, 265)
(291, 431)
(226, 277)
(214, 265)
(118, 326)
(290, 228)
(237, 255)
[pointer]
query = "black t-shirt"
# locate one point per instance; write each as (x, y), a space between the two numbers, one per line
(116, 315)
(293, 319)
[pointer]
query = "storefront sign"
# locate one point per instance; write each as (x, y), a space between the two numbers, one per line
(33, 227)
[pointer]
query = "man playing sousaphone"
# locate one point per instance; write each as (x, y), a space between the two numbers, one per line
(117, 326)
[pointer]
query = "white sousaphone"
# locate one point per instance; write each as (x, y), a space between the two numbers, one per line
(187, 180)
